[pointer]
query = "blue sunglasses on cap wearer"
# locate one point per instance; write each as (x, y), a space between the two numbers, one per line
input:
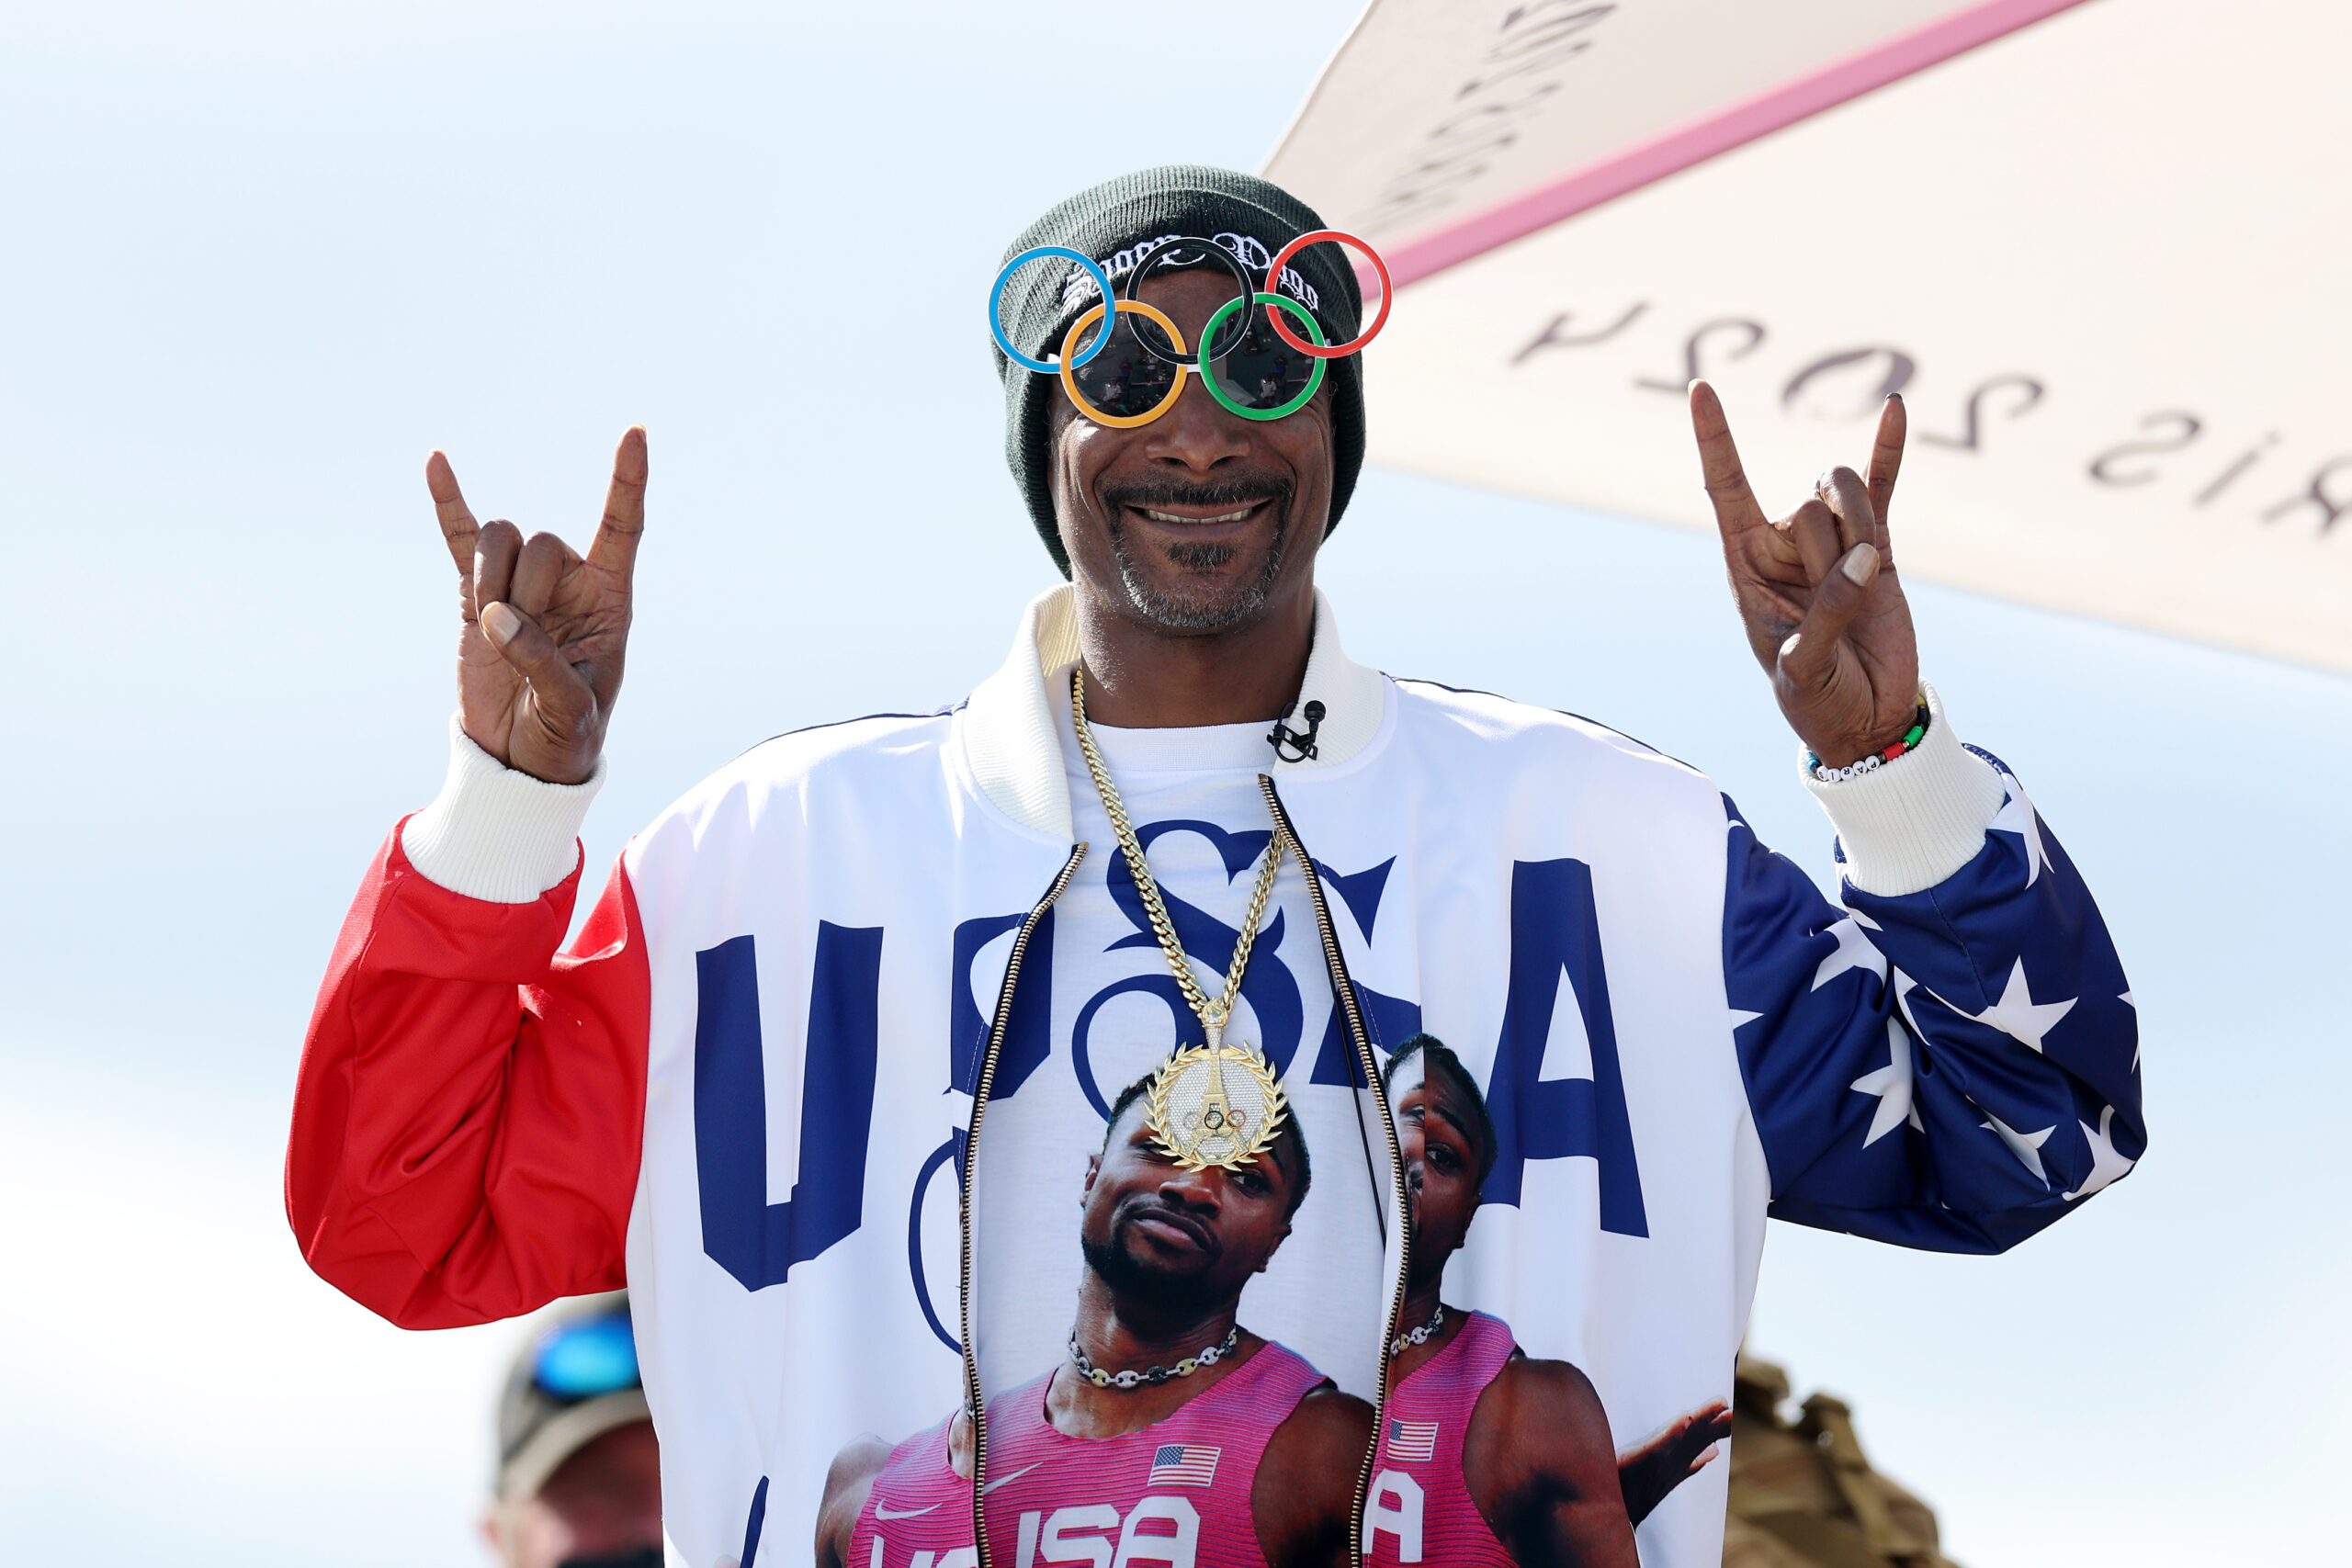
(586, 1359)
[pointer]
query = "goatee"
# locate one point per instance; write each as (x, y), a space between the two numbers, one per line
(1179, 1296)
(1209, 606)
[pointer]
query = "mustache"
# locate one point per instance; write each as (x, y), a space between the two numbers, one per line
(1233, 491)
(1158, 1209)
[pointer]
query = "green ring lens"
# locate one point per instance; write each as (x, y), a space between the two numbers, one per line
(1210, 378)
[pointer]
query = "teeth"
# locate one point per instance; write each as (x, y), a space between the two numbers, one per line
(1221, 517)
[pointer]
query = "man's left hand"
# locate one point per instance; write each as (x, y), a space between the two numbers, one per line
(1817, 589)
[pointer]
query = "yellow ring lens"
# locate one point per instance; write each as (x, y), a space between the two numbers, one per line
(1070, 376)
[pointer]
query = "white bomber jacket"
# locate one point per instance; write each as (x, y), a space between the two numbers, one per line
(1677, 1033)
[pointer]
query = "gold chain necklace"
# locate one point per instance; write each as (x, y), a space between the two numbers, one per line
(1213, 1104)
(1213, 1014)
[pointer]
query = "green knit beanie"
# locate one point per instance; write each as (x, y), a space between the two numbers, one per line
(1117, 222)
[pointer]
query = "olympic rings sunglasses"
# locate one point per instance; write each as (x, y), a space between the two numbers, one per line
(586, 1359)
(1252, 361)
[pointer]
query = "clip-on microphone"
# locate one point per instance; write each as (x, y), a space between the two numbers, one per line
(1282, 735)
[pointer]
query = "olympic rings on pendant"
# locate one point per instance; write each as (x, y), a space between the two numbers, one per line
(1275, 304)
(1355, 344)
(996, 300)
(1068, 366)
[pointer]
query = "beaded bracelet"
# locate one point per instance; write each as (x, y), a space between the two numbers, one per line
(1876, 760)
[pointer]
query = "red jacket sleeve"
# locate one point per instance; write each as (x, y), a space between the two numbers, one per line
(471, 1103)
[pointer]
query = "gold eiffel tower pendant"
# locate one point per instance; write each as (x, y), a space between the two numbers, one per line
(1214, 1104)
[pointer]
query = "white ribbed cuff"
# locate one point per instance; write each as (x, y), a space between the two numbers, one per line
(1906, 826)
(495, 832)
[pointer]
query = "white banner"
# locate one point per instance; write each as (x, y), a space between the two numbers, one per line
(2100, 252)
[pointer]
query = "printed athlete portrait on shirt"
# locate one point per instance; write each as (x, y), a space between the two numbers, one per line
(1169, 1433)
(826, 1066)
(1489, 1456)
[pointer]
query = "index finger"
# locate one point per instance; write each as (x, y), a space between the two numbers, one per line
(623, 521)
(1886, 461)
(459, 529)
(1734, 502)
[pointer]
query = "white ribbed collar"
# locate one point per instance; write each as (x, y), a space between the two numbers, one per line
(1013, 746)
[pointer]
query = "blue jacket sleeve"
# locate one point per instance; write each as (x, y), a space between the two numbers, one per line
(1950, 1069)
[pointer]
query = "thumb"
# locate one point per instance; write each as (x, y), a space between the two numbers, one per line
(563, 693)
(1808, 657)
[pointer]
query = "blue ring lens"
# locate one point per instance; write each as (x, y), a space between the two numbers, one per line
(582, 1360)
(996, 299)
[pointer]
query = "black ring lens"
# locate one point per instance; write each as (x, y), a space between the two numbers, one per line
(1155, 341)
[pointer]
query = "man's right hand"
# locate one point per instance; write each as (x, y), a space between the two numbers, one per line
(540, 651)
(1672, 1455)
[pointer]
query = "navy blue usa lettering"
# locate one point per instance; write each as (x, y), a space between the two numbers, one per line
(1268, 985)
(1556, 930)
(1389, 1021)
(755, 1240)
(1024, 1050)
(1026, 1043)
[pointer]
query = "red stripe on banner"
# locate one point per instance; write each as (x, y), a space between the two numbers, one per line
(1720, 132)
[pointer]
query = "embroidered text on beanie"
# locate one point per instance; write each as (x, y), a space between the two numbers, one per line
(1119, 223)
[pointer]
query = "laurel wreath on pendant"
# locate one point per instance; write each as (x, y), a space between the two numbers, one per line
(1198, 1131)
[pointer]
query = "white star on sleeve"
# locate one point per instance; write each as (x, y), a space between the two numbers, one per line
(1854, 951)
(2018, 1015)
(1904, 986)
(2027, 1146)
(2016, 816)
(2105, 1164)
(2125, 997)
(1741, 1017)
(1892, 1084)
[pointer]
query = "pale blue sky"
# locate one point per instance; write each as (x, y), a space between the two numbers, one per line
(257, 261)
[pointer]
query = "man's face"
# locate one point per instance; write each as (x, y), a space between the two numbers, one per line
(1439, 1130)
(1200, 521)
(1178, 1239)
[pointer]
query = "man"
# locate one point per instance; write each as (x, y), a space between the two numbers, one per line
(1491, 1456)
(867, 981)
(579, 1470)
(1264, 1449)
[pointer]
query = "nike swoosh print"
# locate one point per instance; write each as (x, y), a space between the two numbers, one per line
(881, 1512)
(1000, 1480)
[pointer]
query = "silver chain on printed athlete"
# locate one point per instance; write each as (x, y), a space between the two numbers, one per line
(1417, 1336)
(1150, 1376)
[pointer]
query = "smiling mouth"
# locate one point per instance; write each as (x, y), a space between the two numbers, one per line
(1158, 516)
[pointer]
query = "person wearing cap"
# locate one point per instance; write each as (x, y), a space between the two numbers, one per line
(815, 1073)
(578, 1469)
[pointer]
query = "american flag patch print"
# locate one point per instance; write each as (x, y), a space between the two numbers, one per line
(1182, 1464)
(1412, 1442)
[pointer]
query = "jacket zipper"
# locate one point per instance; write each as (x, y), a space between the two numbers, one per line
(997, 1027)
(1344, 993)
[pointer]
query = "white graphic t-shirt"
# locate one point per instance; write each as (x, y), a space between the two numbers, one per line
(1116, 1012)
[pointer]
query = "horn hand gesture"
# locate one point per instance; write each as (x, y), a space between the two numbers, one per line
(1817, 591)
(544, 629)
